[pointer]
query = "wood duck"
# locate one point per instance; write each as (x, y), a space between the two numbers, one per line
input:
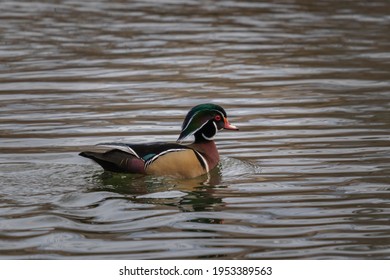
(169, 159)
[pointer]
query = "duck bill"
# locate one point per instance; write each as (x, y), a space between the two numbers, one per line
(228, 126)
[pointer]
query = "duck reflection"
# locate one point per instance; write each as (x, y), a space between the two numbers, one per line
(195, 194)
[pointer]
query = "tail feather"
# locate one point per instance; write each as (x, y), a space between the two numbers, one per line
(116, 161)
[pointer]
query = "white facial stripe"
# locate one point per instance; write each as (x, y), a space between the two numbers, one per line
(190, 121)
(199, 128)
(216, 128)
(207, 138)
(212, 137)
(195, 131)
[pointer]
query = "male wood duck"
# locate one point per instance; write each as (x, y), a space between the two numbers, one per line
(169, 159)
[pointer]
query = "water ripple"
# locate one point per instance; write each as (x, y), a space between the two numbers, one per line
(304, 178)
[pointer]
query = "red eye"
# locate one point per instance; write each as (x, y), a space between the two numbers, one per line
(217, 118)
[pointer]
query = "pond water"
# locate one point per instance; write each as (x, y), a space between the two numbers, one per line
(306, 177)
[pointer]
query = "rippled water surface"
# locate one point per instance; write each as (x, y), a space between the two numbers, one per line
(307, 82)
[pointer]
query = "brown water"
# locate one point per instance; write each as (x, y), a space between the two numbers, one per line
(307, 82)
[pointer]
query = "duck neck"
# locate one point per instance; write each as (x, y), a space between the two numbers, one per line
(208, 149)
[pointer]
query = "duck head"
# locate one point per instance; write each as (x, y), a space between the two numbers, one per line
(203, 121)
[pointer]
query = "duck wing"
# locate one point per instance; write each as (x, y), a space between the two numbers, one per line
(132, 158)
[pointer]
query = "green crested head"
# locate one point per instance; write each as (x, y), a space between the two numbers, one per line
(204, 121)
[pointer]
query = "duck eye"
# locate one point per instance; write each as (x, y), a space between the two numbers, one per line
(217, 118)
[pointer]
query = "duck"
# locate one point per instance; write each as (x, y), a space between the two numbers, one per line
(173, 159)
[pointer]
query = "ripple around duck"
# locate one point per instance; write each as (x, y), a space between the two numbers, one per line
(106, 223)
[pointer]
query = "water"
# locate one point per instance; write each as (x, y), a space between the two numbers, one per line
(306, 177)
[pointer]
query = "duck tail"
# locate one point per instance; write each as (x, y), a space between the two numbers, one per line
(116, 161)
